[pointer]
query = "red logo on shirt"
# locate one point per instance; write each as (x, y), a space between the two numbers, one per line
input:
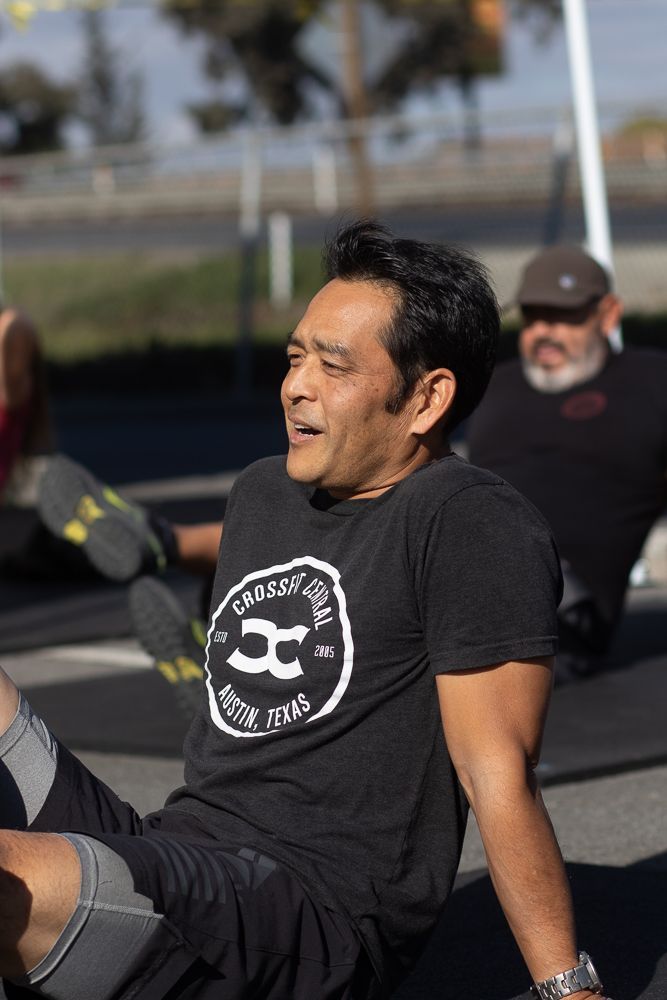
(584, 406)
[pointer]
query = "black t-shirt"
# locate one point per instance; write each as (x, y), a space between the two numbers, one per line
(319, 742)
(592, 458)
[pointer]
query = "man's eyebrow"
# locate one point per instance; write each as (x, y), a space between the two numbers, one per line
(333, 347)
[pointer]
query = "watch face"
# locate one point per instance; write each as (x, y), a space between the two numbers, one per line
(586, 960)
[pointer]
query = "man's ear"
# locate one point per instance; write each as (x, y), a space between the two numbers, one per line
(434, 396)
(611, 311)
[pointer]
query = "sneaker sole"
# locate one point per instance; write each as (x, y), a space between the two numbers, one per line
(74, 506)
(164, 630)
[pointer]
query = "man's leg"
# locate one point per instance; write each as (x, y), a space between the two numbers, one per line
(121, 539)
(584, 634)
(72, 926)
(113, 944)
(40, 879)
(144, 913)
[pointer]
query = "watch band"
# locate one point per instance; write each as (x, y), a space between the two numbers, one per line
(566, 984)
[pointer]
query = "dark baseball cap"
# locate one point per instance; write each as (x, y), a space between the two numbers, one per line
(564, 277)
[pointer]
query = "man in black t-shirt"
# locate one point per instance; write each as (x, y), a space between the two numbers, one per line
(373, 592)
(582, 432)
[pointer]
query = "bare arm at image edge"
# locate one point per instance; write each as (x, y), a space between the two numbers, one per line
(18, 347)
(493, 720)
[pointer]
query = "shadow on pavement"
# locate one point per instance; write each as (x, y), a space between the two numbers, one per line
(621, 923)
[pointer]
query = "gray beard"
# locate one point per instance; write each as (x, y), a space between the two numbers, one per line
(568, 375)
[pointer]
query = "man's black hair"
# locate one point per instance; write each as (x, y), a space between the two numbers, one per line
(446, 314)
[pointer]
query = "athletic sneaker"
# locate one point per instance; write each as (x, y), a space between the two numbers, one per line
(176, 642)
(118, 537)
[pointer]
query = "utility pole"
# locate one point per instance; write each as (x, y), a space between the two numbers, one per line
(356, 102)
(591, 171)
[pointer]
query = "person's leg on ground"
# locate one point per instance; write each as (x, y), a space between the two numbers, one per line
(120, 538)
(39, 888)
(39, 877)
(58, 888)
(584, 635)
(168, 915)
(114, 943)
(117, 536)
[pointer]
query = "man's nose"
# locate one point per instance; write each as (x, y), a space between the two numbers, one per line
(540, 325)
(300, 382)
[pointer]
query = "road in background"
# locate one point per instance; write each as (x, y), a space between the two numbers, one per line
(494, 224)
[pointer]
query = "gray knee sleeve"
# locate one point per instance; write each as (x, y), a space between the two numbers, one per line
(28, 758)
(114, 937)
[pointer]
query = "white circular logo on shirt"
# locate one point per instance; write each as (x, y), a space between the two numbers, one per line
(279, 650)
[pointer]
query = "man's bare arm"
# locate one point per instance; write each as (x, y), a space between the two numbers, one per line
(494, 720)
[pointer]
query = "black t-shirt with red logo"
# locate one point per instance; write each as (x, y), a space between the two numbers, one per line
(319, 742)
(593, 459)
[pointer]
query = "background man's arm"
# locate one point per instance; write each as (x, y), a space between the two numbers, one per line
(494, 720)
(198, 545)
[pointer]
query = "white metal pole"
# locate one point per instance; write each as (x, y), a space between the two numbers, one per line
(249, 225)
(325, 182)
(281, 259)
(596, 213)
(251, 186)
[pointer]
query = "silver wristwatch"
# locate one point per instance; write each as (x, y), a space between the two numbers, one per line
(565, 984)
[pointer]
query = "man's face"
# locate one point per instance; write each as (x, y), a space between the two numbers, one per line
(341, 437)
(562, 347)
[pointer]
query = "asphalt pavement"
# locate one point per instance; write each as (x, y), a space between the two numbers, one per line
(603, 767)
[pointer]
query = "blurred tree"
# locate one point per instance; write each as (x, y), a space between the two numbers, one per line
(110, 99)
(262, 44)
(33, 110)
(215, 115)
(260, 40)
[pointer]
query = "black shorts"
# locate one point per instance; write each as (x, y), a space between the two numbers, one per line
(170, 917)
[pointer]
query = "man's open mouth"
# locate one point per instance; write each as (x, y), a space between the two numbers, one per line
(301, 432)
(546, 349)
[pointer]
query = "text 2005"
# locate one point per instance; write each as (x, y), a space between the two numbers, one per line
(325, 651)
